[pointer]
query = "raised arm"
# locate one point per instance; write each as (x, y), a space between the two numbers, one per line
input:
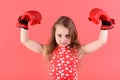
(31, 18)
(30, 44)
(97, 15)
(97, 44)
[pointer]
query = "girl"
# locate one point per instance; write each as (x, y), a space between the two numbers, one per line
(63, 51)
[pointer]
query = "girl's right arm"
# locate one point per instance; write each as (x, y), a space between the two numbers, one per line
(30, 44)
(30, 17)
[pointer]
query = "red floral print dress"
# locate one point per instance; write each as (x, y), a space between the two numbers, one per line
(64, 64)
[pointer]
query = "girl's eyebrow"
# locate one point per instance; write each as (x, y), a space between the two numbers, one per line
(67, 34)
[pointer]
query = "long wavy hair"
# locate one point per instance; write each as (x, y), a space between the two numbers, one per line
(69, 24)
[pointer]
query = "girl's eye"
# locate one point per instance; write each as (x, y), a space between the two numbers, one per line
(59, 35)
(67, 36)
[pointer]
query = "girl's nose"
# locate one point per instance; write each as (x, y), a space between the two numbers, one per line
(63, 39)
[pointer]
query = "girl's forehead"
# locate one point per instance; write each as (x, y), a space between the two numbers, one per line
(61, 29)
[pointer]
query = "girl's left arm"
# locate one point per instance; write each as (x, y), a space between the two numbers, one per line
(97, 15)
(97, 44)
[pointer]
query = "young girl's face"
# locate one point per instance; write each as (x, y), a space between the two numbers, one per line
(62, 36)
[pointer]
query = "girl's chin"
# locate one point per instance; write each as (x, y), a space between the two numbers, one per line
(63, 45)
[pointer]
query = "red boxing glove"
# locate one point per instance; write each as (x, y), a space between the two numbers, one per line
(97, 14)
(32, 17)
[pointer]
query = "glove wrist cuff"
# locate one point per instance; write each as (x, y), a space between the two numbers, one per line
(106, 27)
(22, 26)
(106, 23)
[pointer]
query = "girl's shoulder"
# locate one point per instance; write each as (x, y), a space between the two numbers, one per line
(81, 52)
(44, 51)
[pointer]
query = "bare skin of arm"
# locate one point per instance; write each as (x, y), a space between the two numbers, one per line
(31, 44)
(97, 44)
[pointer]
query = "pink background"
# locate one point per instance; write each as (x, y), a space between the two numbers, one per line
(19, 63)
